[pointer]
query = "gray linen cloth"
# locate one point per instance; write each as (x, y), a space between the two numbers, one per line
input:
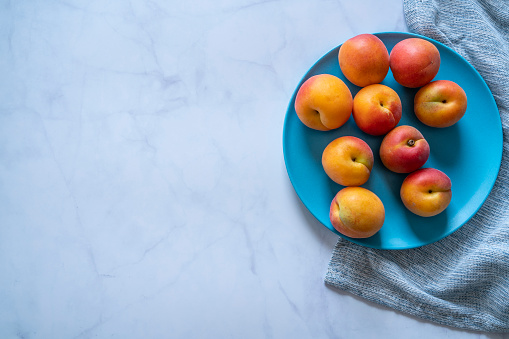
(463, 279)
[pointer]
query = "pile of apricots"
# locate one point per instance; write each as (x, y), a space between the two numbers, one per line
(324, 102)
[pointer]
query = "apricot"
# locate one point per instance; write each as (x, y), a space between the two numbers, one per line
(364, 60)
(357, 212)
(426, 192)
(376, 109)
(404, 149)
(323, 102)
(348, 161)
(441, 103)
(414, 62)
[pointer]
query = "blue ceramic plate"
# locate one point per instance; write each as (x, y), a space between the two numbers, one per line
(469, 152)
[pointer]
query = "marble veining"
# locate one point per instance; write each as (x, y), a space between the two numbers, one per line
(143, 191)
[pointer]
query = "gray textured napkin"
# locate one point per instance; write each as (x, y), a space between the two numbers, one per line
(463, 279)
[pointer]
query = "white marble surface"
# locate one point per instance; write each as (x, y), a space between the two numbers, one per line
(143, 191)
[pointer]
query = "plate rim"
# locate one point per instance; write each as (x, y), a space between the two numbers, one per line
(499, 131)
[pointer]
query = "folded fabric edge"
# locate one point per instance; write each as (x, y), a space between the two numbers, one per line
(418, 310)
(421, 19)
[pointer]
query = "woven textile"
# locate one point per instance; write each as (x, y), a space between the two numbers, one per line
(463, 279)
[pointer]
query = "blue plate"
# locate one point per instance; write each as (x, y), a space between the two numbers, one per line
(469, 152)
